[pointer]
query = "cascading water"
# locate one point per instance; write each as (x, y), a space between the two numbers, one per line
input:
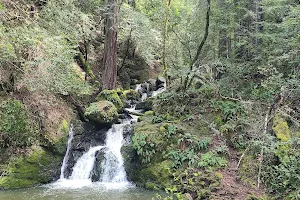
(66, 158)
(85, 164)
(113, 171)
(112, 165)
(160, 90)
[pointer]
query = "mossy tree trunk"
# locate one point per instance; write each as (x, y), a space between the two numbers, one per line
(109, 77)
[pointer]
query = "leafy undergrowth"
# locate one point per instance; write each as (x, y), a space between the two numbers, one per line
(195, 135)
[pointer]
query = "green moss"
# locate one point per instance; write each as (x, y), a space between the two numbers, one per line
(37, 167)
(112, 96)
(64, 127)
(103, 112)
(192, 181)
(219, 175)
(150, 112)
(130, 95)
(155, 176)
(281, 129)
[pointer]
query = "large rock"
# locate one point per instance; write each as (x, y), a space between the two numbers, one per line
(112, 96)
(102, 112)
(145, 105)
(86, 135)
(97, 170)
(38, 166)
(152, 84)
(160, 82)
(130, 95)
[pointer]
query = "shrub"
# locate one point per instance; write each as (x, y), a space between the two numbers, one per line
(15, 127)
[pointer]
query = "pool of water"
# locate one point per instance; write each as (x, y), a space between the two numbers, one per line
(96, 191)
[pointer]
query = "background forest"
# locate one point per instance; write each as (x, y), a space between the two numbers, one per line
(232, 69)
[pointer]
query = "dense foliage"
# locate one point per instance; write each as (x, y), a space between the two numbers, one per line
(232, 70)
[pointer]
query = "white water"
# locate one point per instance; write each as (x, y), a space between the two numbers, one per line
(113, 175)
(144, 97)
(66, 158)
(160, 90)
(138, 87)
(85, 164)
(112, 165)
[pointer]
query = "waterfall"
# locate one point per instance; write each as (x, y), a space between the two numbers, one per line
(85, 164)
(112, 165)
(113, 172)
(66, 158)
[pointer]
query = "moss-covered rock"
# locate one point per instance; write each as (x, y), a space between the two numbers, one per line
(130, 95)
(155, 176)
(112, 96)
(200, 184)
(37, 167)
(145, 105)
(102, 112)
(130, 161)
(149, 113)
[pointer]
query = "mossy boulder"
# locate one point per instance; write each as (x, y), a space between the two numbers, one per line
(102, 112)
(155, 176)
(36, 167)
(112, 96)
(145, 105)
(200, 184)
(130, 161)
(130, 95)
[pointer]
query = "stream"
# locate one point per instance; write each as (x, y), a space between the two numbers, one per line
(113, 183)
(92, 192)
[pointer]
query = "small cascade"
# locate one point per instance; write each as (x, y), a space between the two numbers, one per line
(66, 158)
(144, 97)
(112, 165)
(160, 90)
(113, 172)
(85, 164)
(138, 87)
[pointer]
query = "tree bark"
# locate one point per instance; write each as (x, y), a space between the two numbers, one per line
(109, 77)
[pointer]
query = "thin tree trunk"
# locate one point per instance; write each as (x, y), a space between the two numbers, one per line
(165, 36)
(109, 77)
(200, 47)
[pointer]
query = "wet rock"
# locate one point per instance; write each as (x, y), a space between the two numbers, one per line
(97, 170)
(130, 161)
(160, 82)
(90, 136)
(152, 84)
(145, 105)
(145, 87)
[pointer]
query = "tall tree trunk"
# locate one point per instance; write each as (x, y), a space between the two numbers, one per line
(109, 77)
